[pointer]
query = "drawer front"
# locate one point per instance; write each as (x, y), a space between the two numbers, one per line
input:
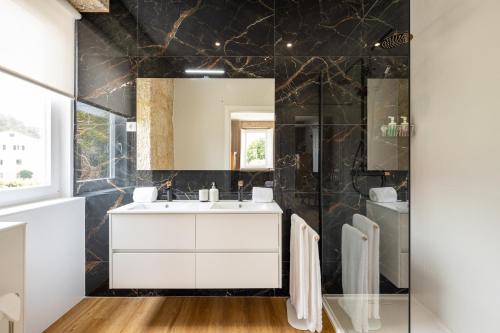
(237, 232)
(237, 270)
(153, 232)
(153, 270)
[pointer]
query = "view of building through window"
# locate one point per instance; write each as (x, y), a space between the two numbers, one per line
(24, 134)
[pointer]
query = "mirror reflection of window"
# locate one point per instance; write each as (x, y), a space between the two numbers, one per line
(256, 148)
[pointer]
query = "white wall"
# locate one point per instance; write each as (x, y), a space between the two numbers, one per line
(455, 155)
(55, 258)
(199, 117)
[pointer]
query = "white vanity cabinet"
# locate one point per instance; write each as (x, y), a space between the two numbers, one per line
(200, 249)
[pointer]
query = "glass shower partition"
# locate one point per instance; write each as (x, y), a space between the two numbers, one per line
(364, 136)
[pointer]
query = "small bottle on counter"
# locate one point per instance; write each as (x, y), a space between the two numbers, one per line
(214, 193)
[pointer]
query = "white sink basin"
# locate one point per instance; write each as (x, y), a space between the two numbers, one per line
(247, 206)
(162, 206)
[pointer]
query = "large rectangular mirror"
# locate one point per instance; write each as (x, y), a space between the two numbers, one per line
(205, 124)
(388, 124)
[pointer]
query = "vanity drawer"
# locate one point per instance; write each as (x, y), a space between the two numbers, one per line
(237, 270)
(153, 231)
(153, 270)
(237, 232)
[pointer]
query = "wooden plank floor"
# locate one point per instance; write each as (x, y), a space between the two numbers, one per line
(179, 315)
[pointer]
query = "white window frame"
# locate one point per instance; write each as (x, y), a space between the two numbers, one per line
(59, 147)
(269, 132)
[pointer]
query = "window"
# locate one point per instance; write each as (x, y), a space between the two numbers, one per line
(257, 148)
(24, 121)
(95, 143)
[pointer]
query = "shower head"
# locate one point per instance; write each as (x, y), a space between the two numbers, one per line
(395, 40)
(392, 40)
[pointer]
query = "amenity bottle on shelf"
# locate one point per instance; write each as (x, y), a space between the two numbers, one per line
(404, 129)
(392, 127)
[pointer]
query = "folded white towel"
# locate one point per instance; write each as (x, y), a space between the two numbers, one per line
(355, 277)
(262, 194)
(383, 194)
(372, 231)
(315, 304)
(145, 194)
(297, 266)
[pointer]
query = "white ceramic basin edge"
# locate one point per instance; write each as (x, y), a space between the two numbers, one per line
(194, 207)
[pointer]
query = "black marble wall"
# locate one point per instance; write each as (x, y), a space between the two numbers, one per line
(320, 103)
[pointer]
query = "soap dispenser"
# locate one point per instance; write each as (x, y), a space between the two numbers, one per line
(405, 126)
(392, 127)
(214, 193)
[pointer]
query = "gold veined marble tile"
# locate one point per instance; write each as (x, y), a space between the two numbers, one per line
(155, 131)
(91, 6)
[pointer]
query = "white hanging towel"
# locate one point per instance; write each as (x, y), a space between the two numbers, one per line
(355, 277)
(298, 266)
(372, 232)
(315, 304)
(383, 194)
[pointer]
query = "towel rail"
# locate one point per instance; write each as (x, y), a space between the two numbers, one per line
(304, 226)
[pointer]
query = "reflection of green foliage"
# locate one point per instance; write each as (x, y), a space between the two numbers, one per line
(92, 140)
(256, 150)
(25, 174)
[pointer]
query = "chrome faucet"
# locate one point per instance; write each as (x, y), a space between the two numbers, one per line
(240, 190)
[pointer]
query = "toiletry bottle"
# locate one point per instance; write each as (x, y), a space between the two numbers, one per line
(203, 195)
(214, 193)
(392, 127)
(383, 129)
(405, 126)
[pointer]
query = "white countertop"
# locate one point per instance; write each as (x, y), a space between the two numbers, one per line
(196, 207)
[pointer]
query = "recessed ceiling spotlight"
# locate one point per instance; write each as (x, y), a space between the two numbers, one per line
(205, 71)
(217, 44)
(289, 45)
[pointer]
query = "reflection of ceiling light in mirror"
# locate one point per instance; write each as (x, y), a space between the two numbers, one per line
(217, 44)
(204, 71)
(289, 45)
